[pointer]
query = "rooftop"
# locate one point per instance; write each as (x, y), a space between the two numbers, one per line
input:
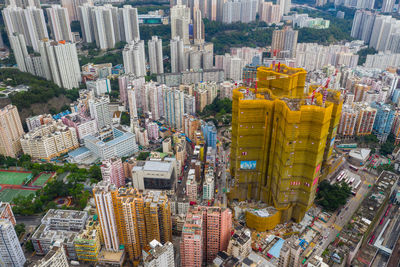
(65, 214)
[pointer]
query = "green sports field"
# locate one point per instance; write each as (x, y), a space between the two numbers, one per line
(8, 194)
(41, 180)
(7, 177)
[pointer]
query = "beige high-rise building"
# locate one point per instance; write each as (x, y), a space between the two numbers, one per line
(141, 219)
(10, 131)
(269, 12)
(72, 7)
(284, 43)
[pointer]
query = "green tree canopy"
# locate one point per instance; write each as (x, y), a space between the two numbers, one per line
(331, 197)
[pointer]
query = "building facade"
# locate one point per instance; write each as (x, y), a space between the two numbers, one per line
(10, 131)
(287, 180)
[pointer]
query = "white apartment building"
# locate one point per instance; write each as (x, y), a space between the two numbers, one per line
(99, 110)
(99, 86)
(208, 187)
(105, 210)
(141, 136)
(29, 22)
(108, 25)
(178, 62)
(240, 244)
(180, 19)
(132, 102)
(73, 7)
(60, 63)
(134, 58)
(129, 18)
(155, 55)
(173, 107)
(49, 141)
(11, 253)
(66, 220)
(59, 23)
(191, 186)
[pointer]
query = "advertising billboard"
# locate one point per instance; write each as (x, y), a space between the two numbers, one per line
(248, 164)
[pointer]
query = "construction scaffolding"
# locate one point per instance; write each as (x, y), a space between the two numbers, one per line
(87, 243)
(280, 140)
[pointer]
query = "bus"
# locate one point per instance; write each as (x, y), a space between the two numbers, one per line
(353, 168)
(352, 180)
(354, 190)
(372, 239)
(342, 176)
(387, 211)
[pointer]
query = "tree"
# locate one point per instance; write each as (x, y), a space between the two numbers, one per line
(19, 228)
(388, 147)
(331, 197)
(95, 173)
(143, 155)
(151, 77)
(29, 246)
(120, 45)
(125, 119)
(76, 27)
(363, 53)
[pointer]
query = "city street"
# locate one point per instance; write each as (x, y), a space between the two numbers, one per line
(33, 220)
(339, 220)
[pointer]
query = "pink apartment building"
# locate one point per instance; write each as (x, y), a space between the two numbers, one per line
(112, 171)
(213, 229)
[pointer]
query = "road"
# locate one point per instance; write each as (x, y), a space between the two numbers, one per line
(33, 220)
(180, 186)
(337, 222)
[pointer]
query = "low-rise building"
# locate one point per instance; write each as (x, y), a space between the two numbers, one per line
(191, 186)
(44, 238)
(119, 144)
(59, 226)
(240, 244)
(154, 174)
(69, 220)
(290, 252)
(208, 187)
(87, 243)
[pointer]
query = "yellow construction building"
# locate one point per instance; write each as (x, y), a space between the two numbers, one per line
(141, 219)
(87, 244)
(281, 139)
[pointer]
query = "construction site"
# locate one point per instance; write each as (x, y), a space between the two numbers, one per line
(282, 139)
